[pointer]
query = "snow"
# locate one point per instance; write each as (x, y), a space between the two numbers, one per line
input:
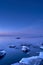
(41, 55)
(2, 53)
(41, 47)
(35, 60)
(25, 48)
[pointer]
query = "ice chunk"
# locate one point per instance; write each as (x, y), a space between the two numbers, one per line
(35, 60)
(41, 55)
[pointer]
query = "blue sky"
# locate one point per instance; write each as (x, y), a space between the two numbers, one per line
(24, 16)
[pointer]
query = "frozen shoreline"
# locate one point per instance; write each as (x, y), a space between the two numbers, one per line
(34, 60)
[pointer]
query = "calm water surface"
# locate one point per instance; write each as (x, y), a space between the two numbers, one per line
(14, 55)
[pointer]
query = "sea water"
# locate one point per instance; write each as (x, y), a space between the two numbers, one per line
(14, 55)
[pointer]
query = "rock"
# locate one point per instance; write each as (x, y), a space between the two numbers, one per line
(12, 46)
(2, 53)
(28, 52)
(34, 60)
(25, 44)
(18, 38)
(41, 47)
(25, 49)
(42, 44)
(41, 63)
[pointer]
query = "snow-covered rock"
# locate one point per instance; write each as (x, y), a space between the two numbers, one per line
(2, 53)
(25, 48)
(35, 60)
(12, 46)
(41, 55)
(41, 47)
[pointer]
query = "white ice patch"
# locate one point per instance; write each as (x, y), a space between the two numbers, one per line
(35, 60)
(41, 55)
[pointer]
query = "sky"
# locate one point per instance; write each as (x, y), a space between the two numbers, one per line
(21, 16)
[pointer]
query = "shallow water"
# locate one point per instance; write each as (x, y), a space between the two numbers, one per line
(13, 55)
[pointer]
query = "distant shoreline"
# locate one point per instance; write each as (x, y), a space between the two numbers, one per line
(20, 36)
